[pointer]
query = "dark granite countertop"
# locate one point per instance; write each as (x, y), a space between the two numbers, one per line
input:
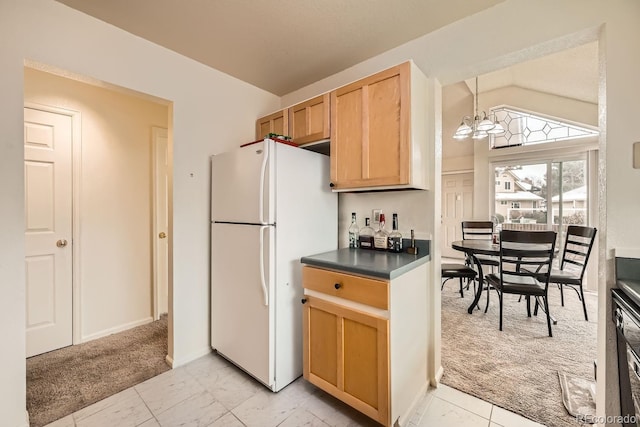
(385, 265)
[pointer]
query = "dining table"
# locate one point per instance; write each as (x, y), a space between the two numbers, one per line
(480, 247)
(473, 248)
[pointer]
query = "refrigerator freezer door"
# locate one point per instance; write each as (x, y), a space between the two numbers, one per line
(242, 185)
(241, 322)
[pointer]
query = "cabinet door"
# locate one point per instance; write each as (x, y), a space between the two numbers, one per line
(346, 353)
(309, 120)
(370, 131)
(277, 123)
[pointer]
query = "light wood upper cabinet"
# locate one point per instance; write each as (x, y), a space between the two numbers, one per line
(309, 120)
(377, 139)
(277, 123)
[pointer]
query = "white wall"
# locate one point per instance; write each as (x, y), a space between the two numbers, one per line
(457, 102)
(410, 205)
(211, 112)
(115, 241)
(519, 30)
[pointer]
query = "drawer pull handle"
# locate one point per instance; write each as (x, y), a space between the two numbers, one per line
(303, 300)
(337, 286)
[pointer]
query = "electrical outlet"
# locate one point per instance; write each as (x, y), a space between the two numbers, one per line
(375, 215)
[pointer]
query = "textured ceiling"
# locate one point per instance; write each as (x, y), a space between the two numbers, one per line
(280, 45)
(283, 45)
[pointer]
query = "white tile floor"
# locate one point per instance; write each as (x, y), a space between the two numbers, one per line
(212, 392)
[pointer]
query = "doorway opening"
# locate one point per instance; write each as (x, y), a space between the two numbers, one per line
(119, 279)
(478, 358)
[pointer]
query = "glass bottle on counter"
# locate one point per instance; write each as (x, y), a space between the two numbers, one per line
(381, 237)
(366, 235)
(353, 232)
(395, 238)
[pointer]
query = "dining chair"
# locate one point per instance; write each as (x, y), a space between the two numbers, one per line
(577, 248)
(525, 266)
(480, 230)
(457, 271)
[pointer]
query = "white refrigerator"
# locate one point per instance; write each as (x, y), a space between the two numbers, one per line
(270, 205)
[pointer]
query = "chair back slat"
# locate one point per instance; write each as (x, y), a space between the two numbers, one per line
(578, 243)
(477, 230)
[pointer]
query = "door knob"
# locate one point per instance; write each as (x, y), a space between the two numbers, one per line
(61, 243)
(162, 235)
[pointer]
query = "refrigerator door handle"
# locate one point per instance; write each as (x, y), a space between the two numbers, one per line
(263, 176)
(263, 282)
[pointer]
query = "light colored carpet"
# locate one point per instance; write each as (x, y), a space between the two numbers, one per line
(66, 380)
(517, 369)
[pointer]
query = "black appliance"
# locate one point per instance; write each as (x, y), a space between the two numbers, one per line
(626, 316)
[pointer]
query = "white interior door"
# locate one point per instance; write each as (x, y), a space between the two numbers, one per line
(48, 230)
(161, 221)
(457, 204)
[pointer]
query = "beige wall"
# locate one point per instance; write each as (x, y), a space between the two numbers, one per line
(514, 40)
(115, 262)
(211, 112)
(457, 102)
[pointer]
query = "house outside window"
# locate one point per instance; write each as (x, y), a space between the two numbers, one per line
(515, 205)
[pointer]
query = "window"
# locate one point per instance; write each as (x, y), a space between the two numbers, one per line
(525, 128)
(497, 182)
(507, 185)
(551, 195)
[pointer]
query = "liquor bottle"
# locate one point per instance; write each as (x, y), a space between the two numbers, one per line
(381, 237)
(395, 238)
(366, 235)
(353, 232)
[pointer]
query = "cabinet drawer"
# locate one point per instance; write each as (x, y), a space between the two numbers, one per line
(354, 288)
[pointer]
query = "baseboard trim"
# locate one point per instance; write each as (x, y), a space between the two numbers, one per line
(169, 360)
(189, 358)
(116, 329)
(436, 381)
(405, 419)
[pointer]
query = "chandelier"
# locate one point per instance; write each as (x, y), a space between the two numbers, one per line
(476, 127)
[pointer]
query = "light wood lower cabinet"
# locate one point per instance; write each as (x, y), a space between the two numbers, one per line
(365, 340)
(346, 354)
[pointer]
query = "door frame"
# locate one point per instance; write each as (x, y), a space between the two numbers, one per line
(76, 152)
(157, 132)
